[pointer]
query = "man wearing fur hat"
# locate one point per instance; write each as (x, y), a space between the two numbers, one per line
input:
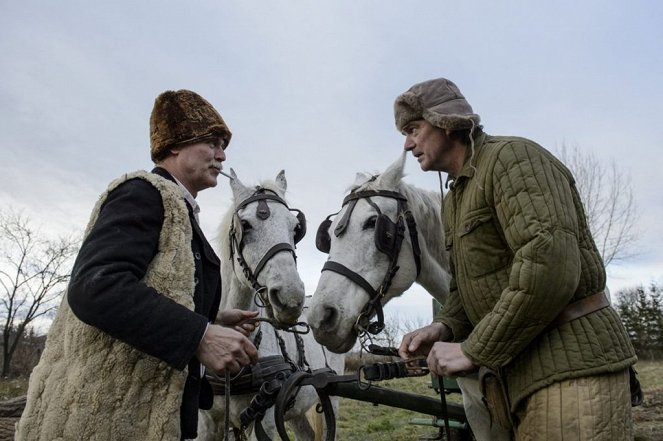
(526, 304)
(125, 355)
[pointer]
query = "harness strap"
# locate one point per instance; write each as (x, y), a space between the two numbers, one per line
(285, 400)
(414, 239)
(259, 196)
(272, 251)
(345, 271)
(369, 193)
(343, 223)
(375, 300)
(250, 378)
(444, 408)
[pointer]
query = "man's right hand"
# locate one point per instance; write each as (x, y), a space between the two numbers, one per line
(421, 341)
(224, 349)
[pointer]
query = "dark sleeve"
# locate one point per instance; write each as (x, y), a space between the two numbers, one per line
(107, 290)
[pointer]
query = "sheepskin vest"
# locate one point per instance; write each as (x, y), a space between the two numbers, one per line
(90, 386)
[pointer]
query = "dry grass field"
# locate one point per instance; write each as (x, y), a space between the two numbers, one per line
(359, 421)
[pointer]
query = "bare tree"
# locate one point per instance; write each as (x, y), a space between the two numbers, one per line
(607, 195)
(33, 275)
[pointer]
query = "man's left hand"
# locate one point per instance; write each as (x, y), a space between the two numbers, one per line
(238, 319)
(447, 359)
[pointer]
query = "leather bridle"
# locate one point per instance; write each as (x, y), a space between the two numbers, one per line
(386, 232)
(236, 236)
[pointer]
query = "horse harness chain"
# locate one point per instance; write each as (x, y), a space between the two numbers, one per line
(388, 239)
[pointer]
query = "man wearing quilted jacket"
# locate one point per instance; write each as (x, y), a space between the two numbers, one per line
(527, 303)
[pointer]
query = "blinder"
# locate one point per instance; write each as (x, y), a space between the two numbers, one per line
(322, 238)
(300, 229)
(385, 234)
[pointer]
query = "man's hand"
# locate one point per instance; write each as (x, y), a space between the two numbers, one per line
(421, 341)
(240, 320)
(224, 349)
(448, 359)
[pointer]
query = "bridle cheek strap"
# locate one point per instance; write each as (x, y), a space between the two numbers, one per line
(374, 302)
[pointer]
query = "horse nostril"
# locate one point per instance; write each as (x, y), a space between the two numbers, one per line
(274, 298)
(329, 318)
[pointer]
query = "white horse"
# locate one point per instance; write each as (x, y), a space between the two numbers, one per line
(259, 228)
(338, 308)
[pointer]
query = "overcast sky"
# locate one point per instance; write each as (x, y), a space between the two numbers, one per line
(308, 86)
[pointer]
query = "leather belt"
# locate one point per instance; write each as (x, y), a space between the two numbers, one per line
(578, 309)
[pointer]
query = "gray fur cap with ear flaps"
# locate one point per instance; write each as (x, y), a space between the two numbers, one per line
(439, 102)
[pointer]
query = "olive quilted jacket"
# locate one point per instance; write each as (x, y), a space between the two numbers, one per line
(521, 250)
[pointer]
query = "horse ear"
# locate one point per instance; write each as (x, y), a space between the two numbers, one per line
(361, 178)
(281, 182)
(393, 174)
(239, 189)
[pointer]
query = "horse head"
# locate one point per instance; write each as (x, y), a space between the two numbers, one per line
(258, 238)
(375, 254)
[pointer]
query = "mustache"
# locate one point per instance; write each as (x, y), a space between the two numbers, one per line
(218, 166)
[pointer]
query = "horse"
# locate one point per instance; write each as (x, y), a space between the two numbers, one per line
(257, 236)
(388, 234)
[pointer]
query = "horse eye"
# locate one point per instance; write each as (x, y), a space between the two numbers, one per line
(370, 223)
(246, 226)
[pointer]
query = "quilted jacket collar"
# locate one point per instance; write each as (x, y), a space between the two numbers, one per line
(468, 171)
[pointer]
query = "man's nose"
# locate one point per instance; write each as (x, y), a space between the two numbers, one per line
(220, 155)
(409, 144)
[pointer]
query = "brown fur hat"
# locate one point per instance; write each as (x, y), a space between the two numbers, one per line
(439, 102)
(182, 117)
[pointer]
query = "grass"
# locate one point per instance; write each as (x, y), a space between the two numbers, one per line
(650, 374)
(360, 421)
(13, 387)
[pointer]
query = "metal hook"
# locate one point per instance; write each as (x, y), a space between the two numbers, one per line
(294, 329)
(258, 295)
(363, 385)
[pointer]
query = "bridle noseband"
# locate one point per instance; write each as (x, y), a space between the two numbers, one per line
(388, 239)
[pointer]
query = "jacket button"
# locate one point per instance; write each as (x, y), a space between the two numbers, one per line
(196, 255)
(195, 281)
